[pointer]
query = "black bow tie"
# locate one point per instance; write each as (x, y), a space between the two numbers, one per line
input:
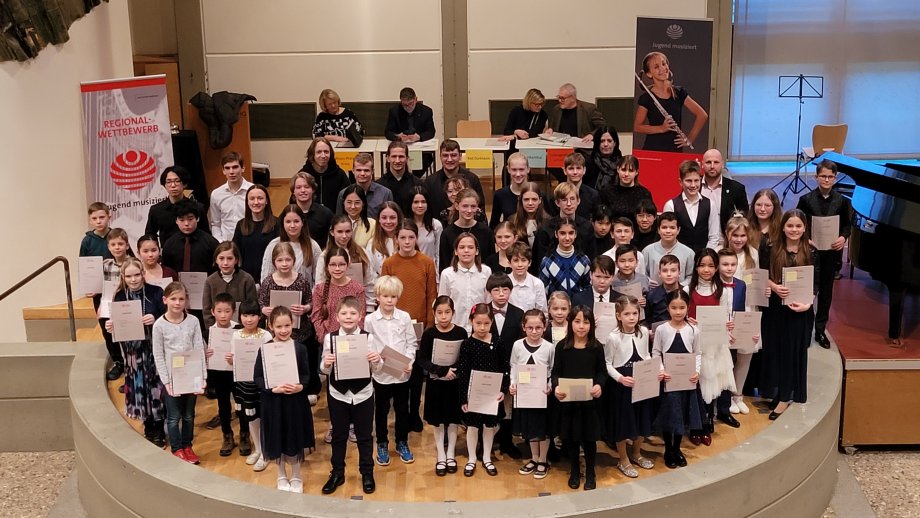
(497, 311)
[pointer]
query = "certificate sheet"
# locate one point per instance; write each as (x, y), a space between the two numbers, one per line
(645, 379)
(286, 298)
(801, 283)
(605, 315)
(530, 382)
(825, 230)
(712, 321)
(356, 272)
(747, 324)
(90, 274)
(681, 367)
(756, 281)
(419, 328)
(219, 339)
(127, 321)
(633, 289)
(445, 352)
(576, 389)
(194, 283)
(108, 293)
(186, 368)
(244, 357)
(394, 362)
(351, 357)
(483, 392)
(162, 282)
(279, 362)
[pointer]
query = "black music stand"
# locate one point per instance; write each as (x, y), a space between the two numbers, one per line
(799, 87)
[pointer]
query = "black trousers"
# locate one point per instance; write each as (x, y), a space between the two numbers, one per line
(590, 448)
(399, 393)
(110, 345)
(342, 415)
(827, 268)
(416, 387)
(222, 382)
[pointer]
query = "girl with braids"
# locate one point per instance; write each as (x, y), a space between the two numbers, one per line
(328, 294)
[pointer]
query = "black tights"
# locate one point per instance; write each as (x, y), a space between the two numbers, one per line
(671, 441)
(590, 448)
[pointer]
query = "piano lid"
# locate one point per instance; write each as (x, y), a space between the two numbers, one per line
(883, 194)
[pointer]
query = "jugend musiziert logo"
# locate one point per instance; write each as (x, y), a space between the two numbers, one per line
(674, 31)
(132, 170)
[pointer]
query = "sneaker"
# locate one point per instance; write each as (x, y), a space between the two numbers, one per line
(296, 485)
(312, 398)
(383, 454)
(742, 407)
(180, 454)
(351, 434)
(405, 454)
(191, 457)
(328, 438)
(260, 464)
(285, 485)
(253, 458)
(541, 471)
(733, 408)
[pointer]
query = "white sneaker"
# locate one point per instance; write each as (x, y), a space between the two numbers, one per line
(260, 464)
(253, 458)
(312, 398)
(742, 407)
(296, 485)
(733, 408)
(284, 484)
(351, 434)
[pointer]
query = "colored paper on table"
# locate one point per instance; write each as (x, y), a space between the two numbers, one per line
(415, 160)
(555, 157)
(479, 159)
(536, 157)
(345, 159)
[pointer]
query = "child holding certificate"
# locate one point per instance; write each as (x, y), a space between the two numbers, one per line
(738, 239)
(442, 400)
(143, 390)
(178, 332)
(391, 328)
(531, 423)
(221, 310)
(464, 281)
(786, 327)
(656, 300)
(246, 393)
(627, 420)
(228, 278)
(119, 251)
(287, 424)
(559, 306)
(483, 351)
(148, 251)
(286, 278)
(350, 399)
(341, 235)
(717, 369)
(579, 357)
(329, 294)
(681, 411)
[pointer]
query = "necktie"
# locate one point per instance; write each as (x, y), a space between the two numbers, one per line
(600, 298)
(187, 256)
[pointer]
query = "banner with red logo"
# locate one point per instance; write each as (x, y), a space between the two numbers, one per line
(128, 144)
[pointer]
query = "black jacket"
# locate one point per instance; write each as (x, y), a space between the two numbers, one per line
(420, 121)
(219, 112)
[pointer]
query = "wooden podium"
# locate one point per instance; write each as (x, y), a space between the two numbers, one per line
(210, 158)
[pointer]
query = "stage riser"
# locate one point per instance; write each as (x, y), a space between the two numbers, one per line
(880, 407)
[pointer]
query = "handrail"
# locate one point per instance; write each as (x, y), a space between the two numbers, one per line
(27, 279)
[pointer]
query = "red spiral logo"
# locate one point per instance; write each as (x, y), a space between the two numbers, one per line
(133, 170)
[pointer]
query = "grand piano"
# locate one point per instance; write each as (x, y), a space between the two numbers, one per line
(885, 241)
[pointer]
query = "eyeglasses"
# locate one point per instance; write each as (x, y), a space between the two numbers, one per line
(561, 98)
(173, 182)
(533, 329)
(826, 177)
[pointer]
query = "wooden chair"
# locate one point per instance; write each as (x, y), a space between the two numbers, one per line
(825, 138)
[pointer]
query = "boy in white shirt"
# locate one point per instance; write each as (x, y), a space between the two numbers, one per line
(228, 202)
(391, 327)
(528, 292)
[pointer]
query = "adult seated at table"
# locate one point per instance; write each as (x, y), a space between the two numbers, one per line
(601, 170)
(573, 117)
(398, 178)
(363, 171)
(527, 120)
(450, 168)
(411, 121)
(334, 121)
(161, 218)
(330, 178)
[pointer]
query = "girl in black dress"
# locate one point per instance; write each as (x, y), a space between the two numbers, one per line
(442, 397)
(579, 355)
(482, 351)
(287, 424)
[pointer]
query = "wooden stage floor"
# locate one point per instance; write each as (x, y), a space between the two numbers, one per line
(417, 482)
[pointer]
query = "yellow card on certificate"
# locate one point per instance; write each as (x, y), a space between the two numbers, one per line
(178, 362)
(524, 378)
(747, 278)
(342, 346)
(479, 159)
(792, 276)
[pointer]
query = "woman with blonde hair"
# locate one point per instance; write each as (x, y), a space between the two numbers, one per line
(333, 119)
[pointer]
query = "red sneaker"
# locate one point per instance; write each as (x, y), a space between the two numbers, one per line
(190, 456)
(181, 455)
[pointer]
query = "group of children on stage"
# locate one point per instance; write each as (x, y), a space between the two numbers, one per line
(504, 317)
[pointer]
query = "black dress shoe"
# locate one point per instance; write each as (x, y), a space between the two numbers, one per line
(590, 482)
(115, 372)
(729, 420)
(773, 415)
(574, 480)
(823, 340)
(368, 484)
(336, 479)
(670, 460)
(680, 459)
(773, 404)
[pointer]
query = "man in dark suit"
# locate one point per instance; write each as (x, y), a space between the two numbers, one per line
(726, 196)
(411, 121)
(574, 117)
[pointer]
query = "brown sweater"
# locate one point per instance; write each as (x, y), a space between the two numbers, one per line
(418, 276)
(241, 286)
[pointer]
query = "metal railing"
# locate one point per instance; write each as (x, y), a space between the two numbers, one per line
(39, 271)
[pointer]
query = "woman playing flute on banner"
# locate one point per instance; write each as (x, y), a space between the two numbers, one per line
(659, 113)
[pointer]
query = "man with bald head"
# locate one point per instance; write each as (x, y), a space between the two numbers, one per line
(726, 196)
(574, 117)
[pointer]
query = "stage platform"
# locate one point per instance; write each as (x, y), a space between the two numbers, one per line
(881, 382)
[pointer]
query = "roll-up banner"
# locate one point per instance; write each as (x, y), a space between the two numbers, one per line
(128, 144)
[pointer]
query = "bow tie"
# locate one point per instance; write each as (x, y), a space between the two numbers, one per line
(497, 311)
(728, 285)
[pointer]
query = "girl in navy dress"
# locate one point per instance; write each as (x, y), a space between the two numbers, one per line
(625, 346)
(682, 411)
